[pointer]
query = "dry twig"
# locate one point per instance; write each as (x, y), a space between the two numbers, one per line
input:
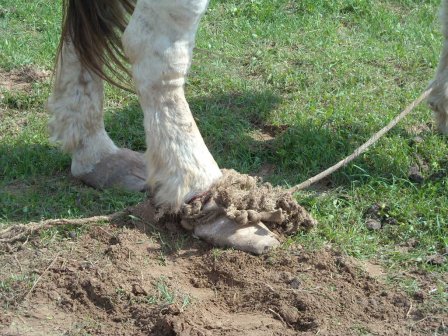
(409, 311)
(40, 278)
(279, 317)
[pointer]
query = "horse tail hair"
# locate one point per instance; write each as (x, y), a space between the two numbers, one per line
(94, 28)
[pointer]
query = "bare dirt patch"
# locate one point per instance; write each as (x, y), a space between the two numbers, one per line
(21, 79)
(266, 133)
(121, 280)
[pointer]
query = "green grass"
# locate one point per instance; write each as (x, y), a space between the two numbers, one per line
(164, 295)
(326, 73)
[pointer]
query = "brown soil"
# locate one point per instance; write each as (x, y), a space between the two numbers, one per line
(21, 79)
(119, 280)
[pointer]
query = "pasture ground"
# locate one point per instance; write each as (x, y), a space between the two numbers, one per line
(280, 89)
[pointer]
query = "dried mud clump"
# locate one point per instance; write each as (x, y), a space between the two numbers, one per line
(247, 201)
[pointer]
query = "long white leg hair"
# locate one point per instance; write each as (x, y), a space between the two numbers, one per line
(438, 100)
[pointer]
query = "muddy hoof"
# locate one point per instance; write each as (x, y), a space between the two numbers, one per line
(223, 232)
(124, 169)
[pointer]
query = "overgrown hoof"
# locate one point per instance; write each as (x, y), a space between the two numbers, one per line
(239, 211)
(223, 232)
(124, 169)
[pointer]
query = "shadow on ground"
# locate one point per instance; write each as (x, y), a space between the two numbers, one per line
(236, 126)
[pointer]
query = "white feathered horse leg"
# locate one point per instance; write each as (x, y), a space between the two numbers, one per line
(438, 99)
(76, 124)
(159, 41)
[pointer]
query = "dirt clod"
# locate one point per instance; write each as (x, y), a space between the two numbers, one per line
(138, 290)
(378, 215)
(436, 259)
(373, 224)
(415, 175)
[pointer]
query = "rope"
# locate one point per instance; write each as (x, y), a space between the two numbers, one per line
(361, 149)
(20, 231)
(194, 212)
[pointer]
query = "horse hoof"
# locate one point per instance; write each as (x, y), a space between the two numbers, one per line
(124, 169)
(223, 232)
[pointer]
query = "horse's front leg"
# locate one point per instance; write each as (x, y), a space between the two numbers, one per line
(76, 124)
(438, 99)
(159, 41)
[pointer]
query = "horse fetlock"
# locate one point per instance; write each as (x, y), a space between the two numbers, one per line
(176, 177)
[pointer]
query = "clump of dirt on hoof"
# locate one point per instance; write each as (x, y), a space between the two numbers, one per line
(247, 201)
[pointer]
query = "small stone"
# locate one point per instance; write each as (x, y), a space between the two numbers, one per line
(138, 290)
(373, 224)
(72, 234)
(295, 283)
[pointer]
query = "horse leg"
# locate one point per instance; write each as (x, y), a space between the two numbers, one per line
(438, 99)
(76, 105)
(159, 41)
